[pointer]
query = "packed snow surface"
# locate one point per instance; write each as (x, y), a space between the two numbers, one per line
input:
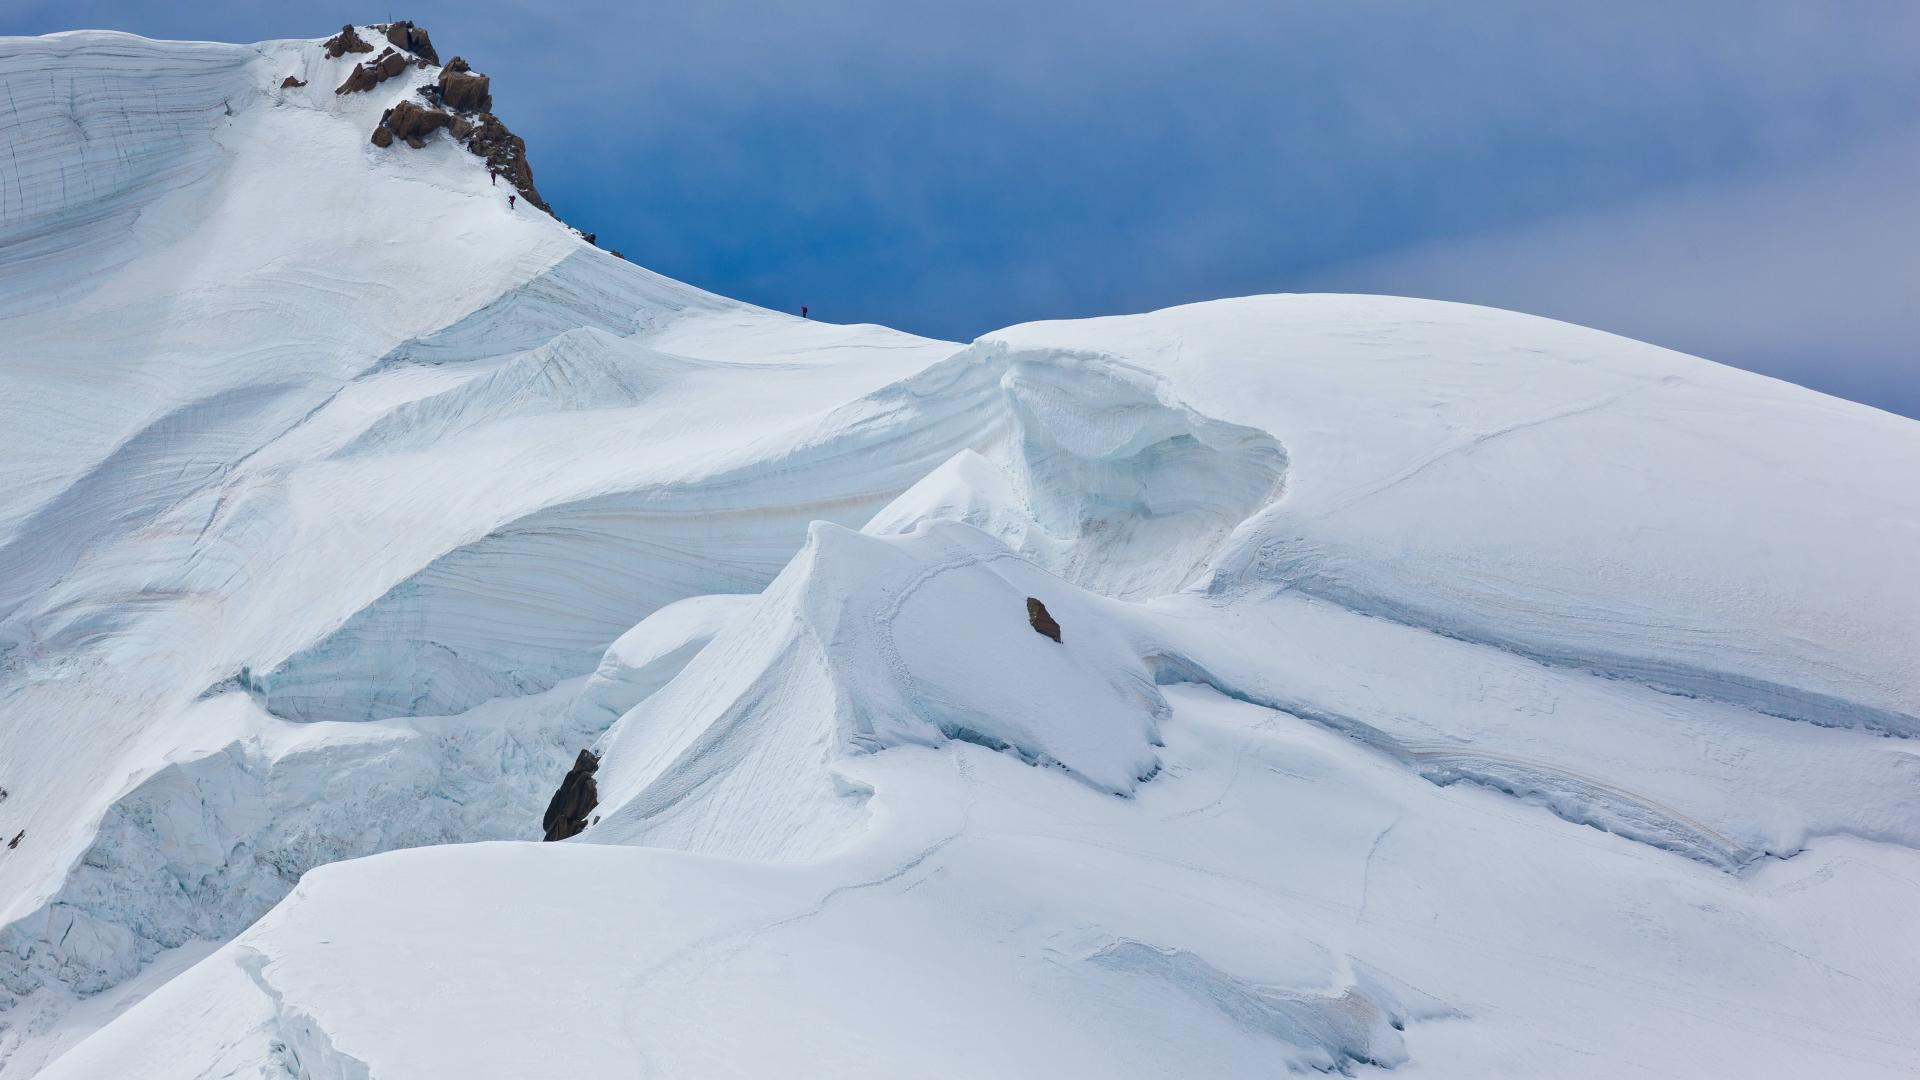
(1436, 689)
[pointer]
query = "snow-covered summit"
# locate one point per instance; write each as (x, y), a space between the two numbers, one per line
(1283, 683)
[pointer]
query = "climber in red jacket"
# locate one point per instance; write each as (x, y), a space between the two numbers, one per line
(803, 311)
(510, 202)
(493, 176)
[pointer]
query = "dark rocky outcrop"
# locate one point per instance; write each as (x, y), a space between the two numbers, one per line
(463, 89)
(346, 41)
(506, 152)
(1041, 621)
(371, 73)
(578, 795)
(21, 835)
(617, 255)
(412, 124)
(290, 82)
(461, 102)
(405, 35)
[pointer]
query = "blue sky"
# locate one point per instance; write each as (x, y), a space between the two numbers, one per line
(1739, 180)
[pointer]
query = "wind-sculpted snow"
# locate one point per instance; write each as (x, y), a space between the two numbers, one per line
(1545, 489)
(646, 657)
(577, 575)
(165, 462)
(1329, 1033)
(1104, 481)
(1419, 685)
(863, 644)
(586, 288)
(100, 126)
(1103, 476)
(579, 369)
(311, 375)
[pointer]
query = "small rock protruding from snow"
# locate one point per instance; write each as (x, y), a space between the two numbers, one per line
(346, 41)
(578, 795)
(414, 39)
(292, 82)
(371, 73)
(1041, 621)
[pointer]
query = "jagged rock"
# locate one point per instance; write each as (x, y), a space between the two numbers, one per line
(346, 41)
(290, 82)
(617, 255)
(371, 73)
(574, 801)
(1042, 622)
(411, 123)
(460, 102)
(506, 152)
(22, 834)
(464, 89)
(405, 35)
(591, 238)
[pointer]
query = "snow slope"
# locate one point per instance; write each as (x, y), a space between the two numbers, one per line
(1438, 689)
(331, 404)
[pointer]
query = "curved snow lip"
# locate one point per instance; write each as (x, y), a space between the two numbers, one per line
(1101, 474)
(1574, 798)
(304, 1048)
(1335, 1032)
(582, 369)
(1662, 673)
(863, 644)
(1084, 465)
(647, 657)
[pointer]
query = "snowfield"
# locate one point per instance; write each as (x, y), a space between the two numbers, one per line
(1436, 690)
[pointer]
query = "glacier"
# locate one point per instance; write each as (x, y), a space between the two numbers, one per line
(1437, 689)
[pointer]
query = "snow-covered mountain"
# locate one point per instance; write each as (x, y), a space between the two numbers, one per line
(1286, 683)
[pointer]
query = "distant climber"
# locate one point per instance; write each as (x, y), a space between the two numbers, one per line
(509, 202)
(803, 311)
(493, 176)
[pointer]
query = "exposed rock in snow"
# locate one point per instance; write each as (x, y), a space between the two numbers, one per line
(464, 89)
(413, 39)
(411, 124)
(573, 801)
(371, 73)
(1041, 621)
(348, 40)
